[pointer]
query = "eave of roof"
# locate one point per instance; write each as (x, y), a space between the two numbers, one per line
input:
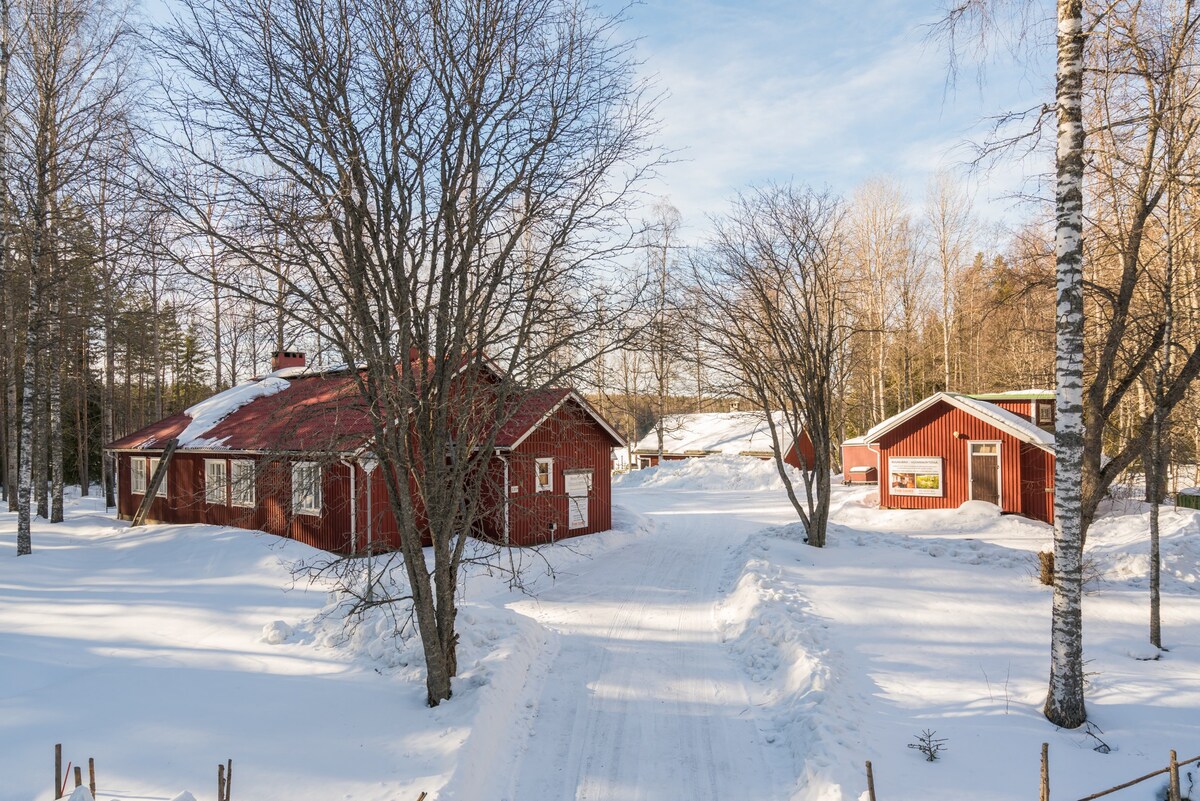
(990, 413)
(568, 394)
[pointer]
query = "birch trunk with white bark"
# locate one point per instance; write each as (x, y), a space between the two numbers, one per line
(1064, 701)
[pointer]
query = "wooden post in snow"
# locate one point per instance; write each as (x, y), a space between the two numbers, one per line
(870, 781)
(92, 776)
(1045, 796)
(228, 780)
(78, 776)
(220, 783)
(58, 780)
(1173, 792)
(160, 475)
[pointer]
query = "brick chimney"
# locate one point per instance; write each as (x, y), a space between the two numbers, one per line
(286, 358)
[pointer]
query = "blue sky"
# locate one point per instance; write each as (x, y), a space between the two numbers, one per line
(823, 92)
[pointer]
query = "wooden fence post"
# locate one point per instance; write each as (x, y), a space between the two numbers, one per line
(58, 779)
(78, 776)
(1173, 793)
(870, 781)
(1045, 772)
(228, 780)
(221, 782)
(92, 776)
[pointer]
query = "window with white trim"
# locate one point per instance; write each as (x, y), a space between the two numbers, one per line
(544, 475)
(1045, 414)
(241, 482)
(137, 475)
(216, 484)
(306, 488)
(153, 468)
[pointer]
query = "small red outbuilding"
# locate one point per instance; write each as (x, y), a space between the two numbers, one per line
(951, 448)
(860, 464)
(289, 454)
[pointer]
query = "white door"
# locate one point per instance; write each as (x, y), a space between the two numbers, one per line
(578, 486)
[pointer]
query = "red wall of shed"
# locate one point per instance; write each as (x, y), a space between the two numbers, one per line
(803, 446)
(859, 456)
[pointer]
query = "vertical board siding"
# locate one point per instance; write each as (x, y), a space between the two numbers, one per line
(186, 501)
(1021, 408)
(1037, 484)
(574, 441)
(803, 446)
(932, 433)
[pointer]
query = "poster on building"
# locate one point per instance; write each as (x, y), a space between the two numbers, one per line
(915, 475)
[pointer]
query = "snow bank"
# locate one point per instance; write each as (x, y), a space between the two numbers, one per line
(207, 413)
(1118, 547)
(717, 472)
(783, 646)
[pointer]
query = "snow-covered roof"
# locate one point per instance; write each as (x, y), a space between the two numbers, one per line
(210, 411)
(1002, 419)
(714, 432)
(854, 441)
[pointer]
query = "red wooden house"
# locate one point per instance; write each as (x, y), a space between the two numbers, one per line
(950, 448)
(289, 454)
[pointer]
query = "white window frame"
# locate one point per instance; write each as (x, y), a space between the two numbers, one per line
(298, 507)
(138, 487)
(548, 461)
(999, 468)
(151, 466)
(210, 488)
(245, 500)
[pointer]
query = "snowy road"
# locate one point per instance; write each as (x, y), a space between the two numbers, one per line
(643, 700)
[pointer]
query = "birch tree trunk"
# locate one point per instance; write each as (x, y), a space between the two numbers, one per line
(82, 427)
(41, 414)
(7, 284)
(29, 401)
(1064, 701)
(55, 431)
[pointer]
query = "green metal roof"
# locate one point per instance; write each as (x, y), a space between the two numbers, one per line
(1025, 394)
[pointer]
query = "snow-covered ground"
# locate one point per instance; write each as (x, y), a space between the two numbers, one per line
(700, 650)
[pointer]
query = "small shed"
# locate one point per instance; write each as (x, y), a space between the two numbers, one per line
(860, 464)
(702, 434)
(951, 448)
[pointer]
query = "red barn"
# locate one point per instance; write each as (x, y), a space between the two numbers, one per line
(289, 454)
(950, 448)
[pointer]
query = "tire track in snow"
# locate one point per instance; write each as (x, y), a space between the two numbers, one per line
(644, 701)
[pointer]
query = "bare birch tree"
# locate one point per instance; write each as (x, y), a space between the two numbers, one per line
(775, 282)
